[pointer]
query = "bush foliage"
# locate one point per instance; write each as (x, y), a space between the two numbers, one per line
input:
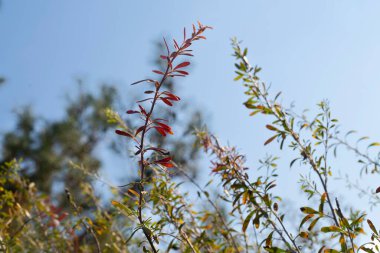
(154, 212)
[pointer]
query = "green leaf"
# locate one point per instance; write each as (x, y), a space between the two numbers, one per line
(122, 208)
(238, 77)
(254, 113)
(313, 223)
(367, 250)
(373, 144)
(323, 200)
(305, 219)
(275, 250)
(292, 162)
(245, 52)
(343, 244)
(308, 210)
(247, 220)
(330, 251)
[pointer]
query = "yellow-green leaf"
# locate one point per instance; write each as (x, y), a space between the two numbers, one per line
(308, 210)
(330, 229)
(247, 220)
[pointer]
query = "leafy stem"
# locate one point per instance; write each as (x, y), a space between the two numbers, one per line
(149, 123)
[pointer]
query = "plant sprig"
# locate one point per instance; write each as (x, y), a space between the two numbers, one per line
(157, 124)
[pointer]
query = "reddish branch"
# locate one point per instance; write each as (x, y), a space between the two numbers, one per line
(150, 123)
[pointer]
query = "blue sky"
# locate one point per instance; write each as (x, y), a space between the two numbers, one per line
(310, 50)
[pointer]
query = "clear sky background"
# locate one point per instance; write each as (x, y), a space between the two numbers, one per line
(310, 50)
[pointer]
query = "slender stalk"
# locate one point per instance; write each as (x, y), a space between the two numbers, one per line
(340, 213)
(245, 233)
(297, 140)
(230, 238)
(88, 227)
(218, 150)
(281, 119)
(142, 160)
(182, 233)
(169, 72)
(348, 146)
(292, 240)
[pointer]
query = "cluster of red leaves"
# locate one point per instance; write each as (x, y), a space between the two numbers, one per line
(167, 97)
(149, 122)
(166, 162)
(54, 215)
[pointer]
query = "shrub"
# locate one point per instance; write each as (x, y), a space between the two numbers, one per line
(156, 214)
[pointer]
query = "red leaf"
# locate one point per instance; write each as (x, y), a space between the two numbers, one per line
(145, 80)
(132, 112)
(182, 65)
(176, 44)
(119, 132)
(378, 190)
(159, 150)
(166, 45)
(167, 165)
(159, 119)
(164, 160)
(187, 44)
(139, 130)
(165, 127)
(177, 75)
(62, 216)
(142, 110)
(143, 100)
(171, 96)
(182, 72)
(158, 72)
(161, 131)
(175, 98)
(156, 121)
(166, 101)
(270, 140)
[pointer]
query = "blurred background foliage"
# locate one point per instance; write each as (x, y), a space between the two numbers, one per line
(46, 160)
(46, 146)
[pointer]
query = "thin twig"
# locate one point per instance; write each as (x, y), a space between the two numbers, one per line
(218, 212)
(88, 228)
